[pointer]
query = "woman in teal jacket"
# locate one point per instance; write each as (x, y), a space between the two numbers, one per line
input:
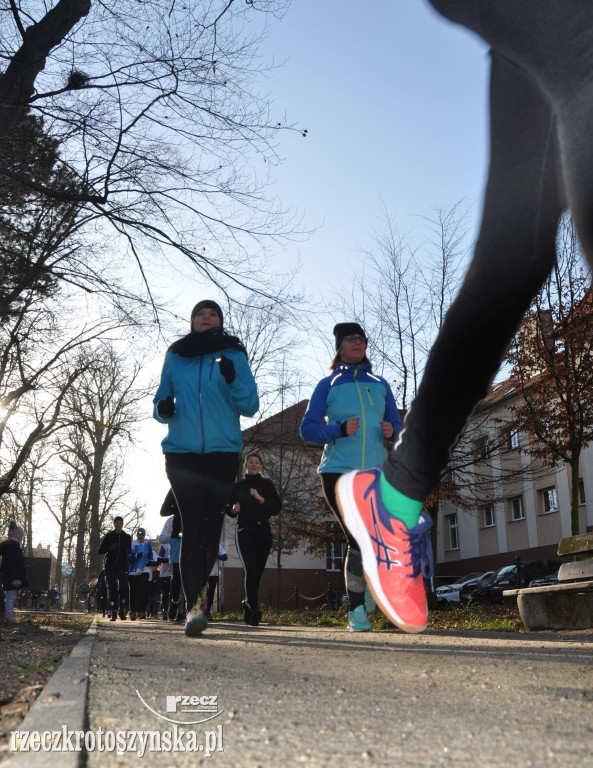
(352, 412)
(205, 385)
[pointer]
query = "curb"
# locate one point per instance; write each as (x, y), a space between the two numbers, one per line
(62, 704)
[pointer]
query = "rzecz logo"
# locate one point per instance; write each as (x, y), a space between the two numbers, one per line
(204, 706)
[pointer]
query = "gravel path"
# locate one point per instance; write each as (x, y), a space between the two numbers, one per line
(325, 697)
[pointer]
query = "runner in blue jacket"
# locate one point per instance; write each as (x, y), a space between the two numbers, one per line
(353, 412)
(206, 384)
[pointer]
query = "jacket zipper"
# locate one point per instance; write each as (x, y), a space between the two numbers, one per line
(201, 409)
(363, 417)
(369, 395)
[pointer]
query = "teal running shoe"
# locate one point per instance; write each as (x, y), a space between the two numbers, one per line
(358, 620)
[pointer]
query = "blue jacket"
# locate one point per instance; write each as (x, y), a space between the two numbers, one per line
(138, 564)
(207, 409)
(350, 391)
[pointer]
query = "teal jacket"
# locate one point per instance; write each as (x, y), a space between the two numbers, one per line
(207, 409)
(350, 391)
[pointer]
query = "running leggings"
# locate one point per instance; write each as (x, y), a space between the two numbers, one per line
(202, 484)
(353, 571)
(541, 162)
(253, 546)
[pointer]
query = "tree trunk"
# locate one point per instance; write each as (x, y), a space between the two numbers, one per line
(279, 560)
(17, 83)
(94, 522)
(574, 492)
(80, 565)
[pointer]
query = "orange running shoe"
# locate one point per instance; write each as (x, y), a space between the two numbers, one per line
(395, 558)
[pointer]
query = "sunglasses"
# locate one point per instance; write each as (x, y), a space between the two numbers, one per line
(354, 339)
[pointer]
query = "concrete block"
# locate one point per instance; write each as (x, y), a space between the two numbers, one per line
(556, 610)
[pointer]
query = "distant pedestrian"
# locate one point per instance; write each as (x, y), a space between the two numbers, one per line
(171, 537)
(206, 384)
(138, 575)
(12, 569)
(213, 580)
(253, 501)
(153, 586)
(101, 593)
(54, 597)
(117, 547)
(165, 572)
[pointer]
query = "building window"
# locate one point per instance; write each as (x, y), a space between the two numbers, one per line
(549, 500)
(581, 492)
(488, 516)
(334, 555)
(511, 439)
(482, 449)
(516, 507)
(453, 528)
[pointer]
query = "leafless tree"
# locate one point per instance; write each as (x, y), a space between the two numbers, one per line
(103, 409)
(402, 292)
(552, 360)
(161, 130)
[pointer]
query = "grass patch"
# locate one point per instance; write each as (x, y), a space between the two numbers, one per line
(475, 617)
(38, 665)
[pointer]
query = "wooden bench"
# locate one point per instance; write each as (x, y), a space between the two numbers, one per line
(569, 604)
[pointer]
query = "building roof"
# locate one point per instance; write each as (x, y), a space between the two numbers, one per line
(281, 428)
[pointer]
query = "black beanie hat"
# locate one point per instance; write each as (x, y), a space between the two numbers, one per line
(347, 329)
(206, 304)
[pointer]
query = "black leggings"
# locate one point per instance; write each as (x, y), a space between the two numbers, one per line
(202, 484)
(138, 592)
(116, 579)
(353, 571)
(541, 161)
(253, 547)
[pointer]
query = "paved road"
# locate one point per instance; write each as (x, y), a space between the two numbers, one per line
(292, 696)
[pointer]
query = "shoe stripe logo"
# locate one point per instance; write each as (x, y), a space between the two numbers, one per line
(383, 550)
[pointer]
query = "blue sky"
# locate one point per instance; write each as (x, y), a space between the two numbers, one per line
(394, 100)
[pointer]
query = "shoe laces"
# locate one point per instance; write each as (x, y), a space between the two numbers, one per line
(421, 549)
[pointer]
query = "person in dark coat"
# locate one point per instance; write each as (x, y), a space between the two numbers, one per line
(117, 546)
(12, 569)
(253, 501)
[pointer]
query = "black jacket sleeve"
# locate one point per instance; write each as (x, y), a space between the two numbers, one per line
(272, 504)
(104, 545)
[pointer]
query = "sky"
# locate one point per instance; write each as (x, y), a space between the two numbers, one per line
(393, 98)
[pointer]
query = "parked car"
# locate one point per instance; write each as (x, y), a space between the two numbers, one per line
(506, 578)
(476, 588)
(545, 580)
(450, 592)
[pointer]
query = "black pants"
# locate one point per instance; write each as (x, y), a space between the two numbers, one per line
(116, 577)
(202, 485)
(165, 592)
(541, 161)
(253, 547)
(212, 584)
(138, 592)
(353, 571)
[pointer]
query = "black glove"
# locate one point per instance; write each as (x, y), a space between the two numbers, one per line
(165, 408)
(227, 368)
(138, 556)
